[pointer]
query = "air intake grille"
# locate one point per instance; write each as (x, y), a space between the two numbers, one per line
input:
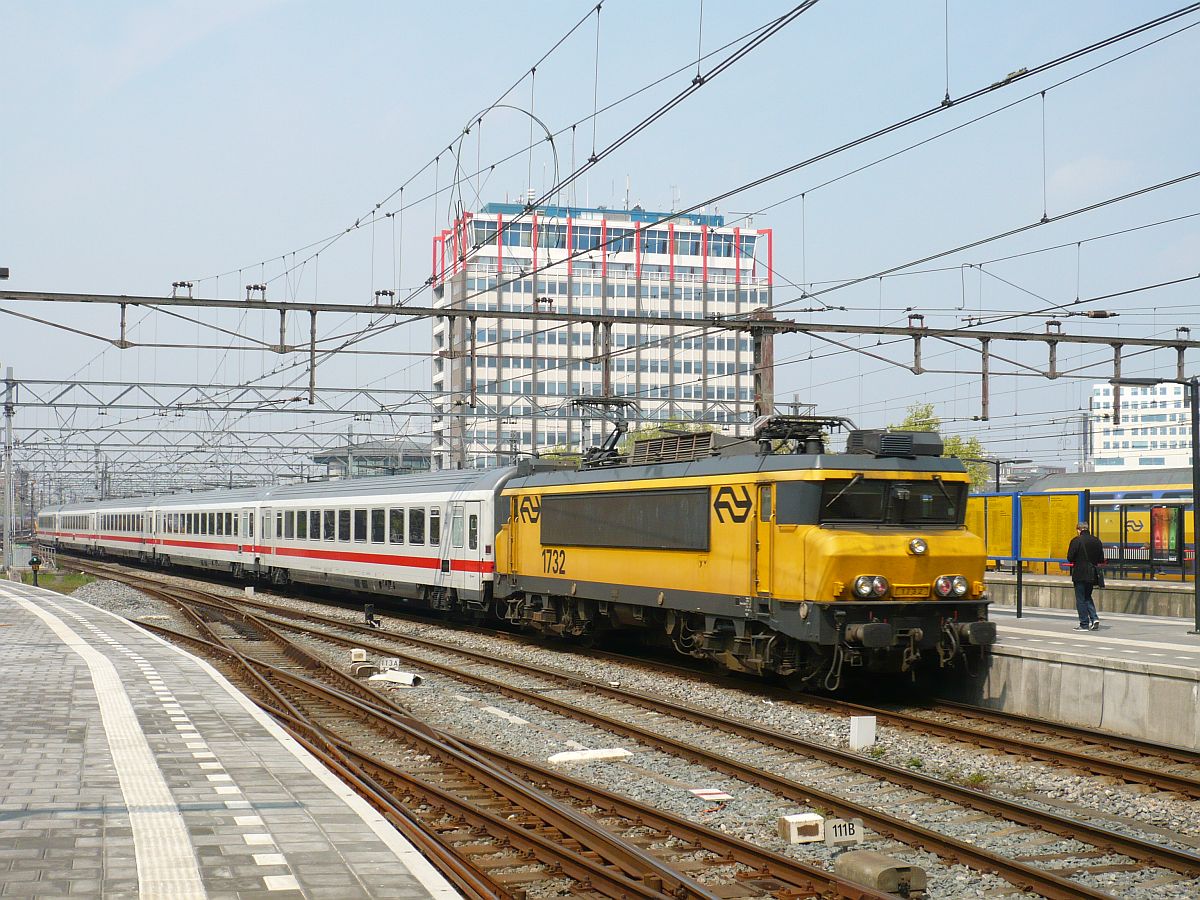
(895, 444)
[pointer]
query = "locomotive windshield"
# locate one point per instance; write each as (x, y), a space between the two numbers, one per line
(888, 502)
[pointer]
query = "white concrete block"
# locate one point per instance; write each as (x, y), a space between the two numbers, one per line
(604, 755)
(862, 732)
(249, 590)
(802, 828)
(358, 655)
(408, 679)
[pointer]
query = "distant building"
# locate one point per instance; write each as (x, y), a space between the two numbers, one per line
(390, 457)
(527, 372)
(1013, 475)
(1154, 431)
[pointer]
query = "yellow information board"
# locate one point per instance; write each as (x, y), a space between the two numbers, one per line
(1047, 524)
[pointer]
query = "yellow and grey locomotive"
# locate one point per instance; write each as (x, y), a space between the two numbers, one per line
(770, 556)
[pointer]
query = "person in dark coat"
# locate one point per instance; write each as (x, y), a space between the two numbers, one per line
(1086, 555)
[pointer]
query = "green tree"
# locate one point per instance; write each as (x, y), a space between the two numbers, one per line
(920, 417)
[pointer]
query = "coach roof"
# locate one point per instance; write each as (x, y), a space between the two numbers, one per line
(316, 491)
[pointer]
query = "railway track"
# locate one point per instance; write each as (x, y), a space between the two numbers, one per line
(499, 831)
(1026, 876)
(1128, 760)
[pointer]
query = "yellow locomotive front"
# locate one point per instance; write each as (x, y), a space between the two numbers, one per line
(799, 563)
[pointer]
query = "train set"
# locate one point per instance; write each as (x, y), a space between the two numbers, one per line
(769, 556)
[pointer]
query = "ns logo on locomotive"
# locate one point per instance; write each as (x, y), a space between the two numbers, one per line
(769, 556)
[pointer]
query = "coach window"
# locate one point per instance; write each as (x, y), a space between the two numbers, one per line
(456, 526)
(360, 525)
(377, 526)
(435, 526)
(279, 524)
(289, 524)
(343, 525)
(473, 532)
(212, 523)
(229, 527)
(396, 517)
(203, 523)
(416, 526)
(314, 525)
(250, 525)
(302, 525)
(220, 523)
(330, 529)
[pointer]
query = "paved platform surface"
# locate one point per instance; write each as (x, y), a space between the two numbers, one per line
(1151, 639)
(130, 768)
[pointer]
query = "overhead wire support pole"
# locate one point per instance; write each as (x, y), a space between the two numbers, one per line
(312, 358)
(984, 376)
(9, 493)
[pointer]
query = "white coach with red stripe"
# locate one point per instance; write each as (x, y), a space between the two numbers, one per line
(428, 536)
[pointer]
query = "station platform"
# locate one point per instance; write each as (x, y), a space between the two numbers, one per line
(1137, 675)
(130, 768)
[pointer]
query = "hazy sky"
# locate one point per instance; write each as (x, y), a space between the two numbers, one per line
(144, 143)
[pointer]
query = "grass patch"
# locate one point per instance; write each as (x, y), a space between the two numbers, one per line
(66, 583)
(915, 762)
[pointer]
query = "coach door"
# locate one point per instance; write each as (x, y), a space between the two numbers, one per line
(245, 535)
(764, 522)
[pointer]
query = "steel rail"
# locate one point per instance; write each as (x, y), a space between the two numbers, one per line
(1128, 772)
(1021, 875)
(1028, 877)
(633, 861)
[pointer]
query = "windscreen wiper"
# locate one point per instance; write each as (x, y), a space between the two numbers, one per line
(937, 479)
(853, 481)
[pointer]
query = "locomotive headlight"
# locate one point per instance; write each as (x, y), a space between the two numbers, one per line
(867, 586)
(917, 547)
(950, 585)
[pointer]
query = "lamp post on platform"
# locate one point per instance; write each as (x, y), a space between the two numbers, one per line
(1193, 391)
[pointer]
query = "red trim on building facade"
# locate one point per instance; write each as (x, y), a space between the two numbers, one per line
(533, 241)
(637, 250)
(737, 256)
(770, 255)
(499, 247)
(603, 250)
(671, 250)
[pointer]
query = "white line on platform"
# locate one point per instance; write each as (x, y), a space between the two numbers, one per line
(166, 863)
(1091, 637)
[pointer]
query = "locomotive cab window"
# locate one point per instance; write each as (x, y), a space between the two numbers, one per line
(892, 502)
